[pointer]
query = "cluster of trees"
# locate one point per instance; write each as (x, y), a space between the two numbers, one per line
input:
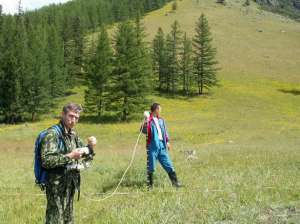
(119, 73)
(185, 65)
(42, 55)
(42, 51)
(30, 73)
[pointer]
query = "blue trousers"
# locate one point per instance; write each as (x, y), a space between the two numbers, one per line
(162, 156)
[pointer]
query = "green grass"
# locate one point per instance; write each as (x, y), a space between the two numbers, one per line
(245, 133)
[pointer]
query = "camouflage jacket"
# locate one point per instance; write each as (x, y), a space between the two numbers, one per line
(53, 155)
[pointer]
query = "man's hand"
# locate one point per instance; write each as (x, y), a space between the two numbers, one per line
(92, 141)
(169, 146)
(74, 155)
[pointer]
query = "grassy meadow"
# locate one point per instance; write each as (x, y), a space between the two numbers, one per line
(245, 134)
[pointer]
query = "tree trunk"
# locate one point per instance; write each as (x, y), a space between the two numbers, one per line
(187, 85)
(184, 83)
(160, 79)
(100, 108)
(100, 104)
(201, 86)
(173, 85)
(33, 116)
(125, 112)
(168, 84)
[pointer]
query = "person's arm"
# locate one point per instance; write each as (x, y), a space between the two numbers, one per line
(167, 136)
(80, 143)
(144, 128)
(149, 133)
(51, 156)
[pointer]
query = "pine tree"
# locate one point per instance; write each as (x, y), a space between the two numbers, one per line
(143, 69)
(19, 68)
(174, 41)
(247, 3)
(1, 56)
(99, 70)
(1, 19)
(69, 52)
(21, 54)
(130, 79)
(187, 65)
(10, 86)
(73, 49)
(159, 59)
(78, 43)
(38, 82)
(1, 38)
(14, 67)
(56, 63)
(139, 32)
(120, 10)
(174, 5)
(204, 56)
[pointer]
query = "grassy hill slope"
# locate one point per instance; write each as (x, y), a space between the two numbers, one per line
(251, 43)
(245, 135)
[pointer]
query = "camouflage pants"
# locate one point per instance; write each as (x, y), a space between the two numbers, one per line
(60, 197)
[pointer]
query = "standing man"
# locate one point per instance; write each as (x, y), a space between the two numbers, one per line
(58, 154)
(158, 146)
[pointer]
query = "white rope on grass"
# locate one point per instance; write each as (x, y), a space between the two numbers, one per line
(109, 195)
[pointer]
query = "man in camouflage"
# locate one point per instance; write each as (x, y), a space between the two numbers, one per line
(55, 157)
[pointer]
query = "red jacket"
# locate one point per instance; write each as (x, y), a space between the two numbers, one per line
(149, 133)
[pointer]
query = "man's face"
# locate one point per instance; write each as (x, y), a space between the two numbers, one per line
(70, 119)
(158, 110)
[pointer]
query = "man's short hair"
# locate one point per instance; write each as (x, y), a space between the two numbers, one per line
(74, 107)
(154, 106)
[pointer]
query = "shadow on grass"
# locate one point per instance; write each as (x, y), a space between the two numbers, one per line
(180, 96)
(294, 92)
(69, 93)
(112, 118)
(127, 182)
(104, 119)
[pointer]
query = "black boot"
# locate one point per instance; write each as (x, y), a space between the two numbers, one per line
(150, 180)
(174, 180)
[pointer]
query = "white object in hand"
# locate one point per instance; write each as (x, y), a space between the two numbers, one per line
(146, 114)
(92, 140)
(83, 150)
